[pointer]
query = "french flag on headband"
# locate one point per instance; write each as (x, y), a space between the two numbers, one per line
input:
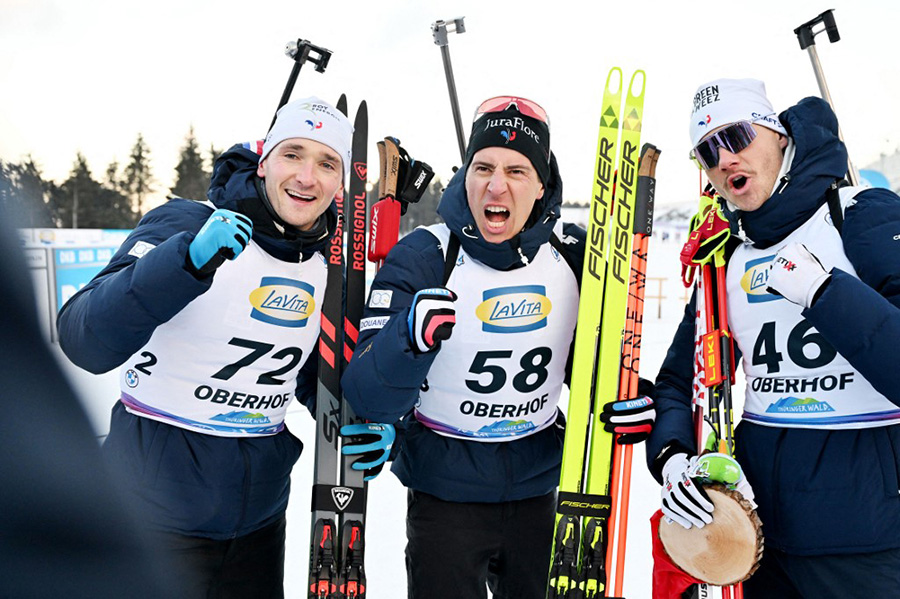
(254, 146)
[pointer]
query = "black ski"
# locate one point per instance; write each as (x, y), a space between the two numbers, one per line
(328, 499)
(352, 576)
(339, 492)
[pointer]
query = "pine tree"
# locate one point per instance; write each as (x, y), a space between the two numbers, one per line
(113, 179)
(214, 154)
(23, 194)
(138, 182)
(192, 179)
(81, 202)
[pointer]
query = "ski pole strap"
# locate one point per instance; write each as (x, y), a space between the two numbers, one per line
(583, 504)
(708, 239)
(414, 179)
(402, 178)
(412, 176)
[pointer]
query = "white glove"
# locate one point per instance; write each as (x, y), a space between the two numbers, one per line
(796, 274)
(683, 501)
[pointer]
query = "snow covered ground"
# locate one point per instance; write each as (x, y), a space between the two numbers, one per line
(387, 498)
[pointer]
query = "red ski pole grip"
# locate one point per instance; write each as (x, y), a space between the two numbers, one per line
(384, 228)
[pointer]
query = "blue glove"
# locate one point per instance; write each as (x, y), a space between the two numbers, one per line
(372, 442)
(431, 318)
(631, 419)
(224, 235)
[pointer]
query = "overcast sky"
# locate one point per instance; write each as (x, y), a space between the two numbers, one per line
(90, 75)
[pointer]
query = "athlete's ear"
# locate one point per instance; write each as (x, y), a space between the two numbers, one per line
(782, 141)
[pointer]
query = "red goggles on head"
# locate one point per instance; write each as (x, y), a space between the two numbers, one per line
(523, 105)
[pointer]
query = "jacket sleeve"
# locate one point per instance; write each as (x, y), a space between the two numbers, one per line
(673, 431)
(383, 379)
(861, 317)
(115, 314)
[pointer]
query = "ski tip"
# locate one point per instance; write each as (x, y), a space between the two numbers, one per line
(342, 104)
(614, 81)
(362, 113)
(631, 86)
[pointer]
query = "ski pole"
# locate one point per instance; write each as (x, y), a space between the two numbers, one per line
(806, 36)
(628, 382)
(403, 181)
(440, 29)
(301, 51)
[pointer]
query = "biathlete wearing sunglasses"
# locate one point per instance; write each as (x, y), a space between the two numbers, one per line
(466, 339)
(813, 309)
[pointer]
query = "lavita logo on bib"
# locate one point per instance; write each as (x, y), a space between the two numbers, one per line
(514, 309)
(283, 302)
(756, 279)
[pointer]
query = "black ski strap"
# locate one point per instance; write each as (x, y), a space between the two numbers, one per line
(833, 197)
(450, 256)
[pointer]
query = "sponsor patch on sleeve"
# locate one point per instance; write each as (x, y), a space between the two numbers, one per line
(140, 249)
(380, 298)
(376, 322)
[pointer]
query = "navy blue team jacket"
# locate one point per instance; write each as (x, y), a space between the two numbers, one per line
(383, 379)
(179, 480)
(819, 491)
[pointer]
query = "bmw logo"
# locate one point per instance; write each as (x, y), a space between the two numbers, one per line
(131, 378)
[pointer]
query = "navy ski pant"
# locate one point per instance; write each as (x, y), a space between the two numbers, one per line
(459, 550)
(863, 575)
(246, 567)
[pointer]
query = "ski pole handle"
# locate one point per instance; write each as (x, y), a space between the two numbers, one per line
(301, 51)
(806, 36)
(384, 224)
(384, 229)
(440, 29)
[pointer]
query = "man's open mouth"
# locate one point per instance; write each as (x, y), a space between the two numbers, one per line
(739, 182)
(496, 216)
(300, 197)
